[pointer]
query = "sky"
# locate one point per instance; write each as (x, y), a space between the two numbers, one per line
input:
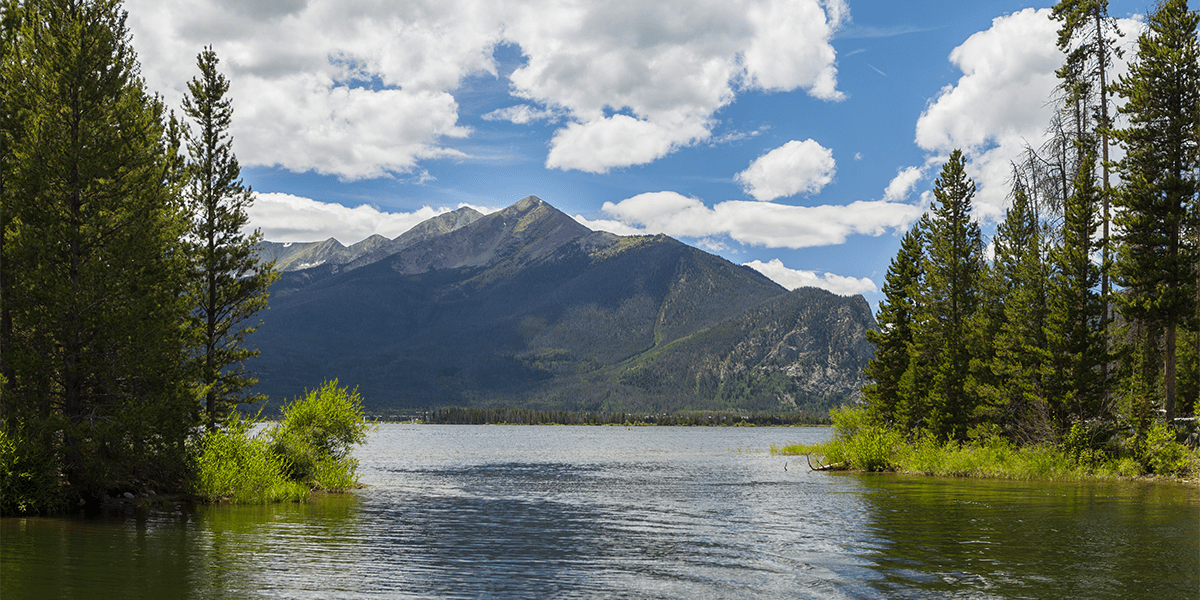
(799, 137)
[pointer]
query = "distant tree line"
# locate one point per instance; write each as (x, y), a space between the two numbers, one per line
(524, 416)
(1086, 312)
(127, 282)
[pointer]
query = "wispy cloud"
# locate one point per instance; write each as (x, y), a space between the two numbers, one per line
(868, 31)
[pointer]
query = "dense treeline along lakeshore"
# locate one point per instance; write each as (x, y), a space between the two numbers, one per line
(128, 290)
(1022, 356)
(519, 416)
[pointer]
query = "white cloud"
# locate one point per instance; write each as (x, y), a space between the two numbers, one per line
(792, 279)
(793, 168)
(362, 88)
(609, 225)
(618, 141)
(760, 223)
(288, 218)
(1000, 105)
(903, 183)
(521, 114)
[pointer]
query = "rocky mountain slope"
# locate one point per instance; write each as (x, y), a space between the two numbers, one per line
(527, 307)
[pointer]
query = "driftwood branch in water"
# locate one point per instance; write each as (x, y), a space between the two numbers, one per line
(823, 467)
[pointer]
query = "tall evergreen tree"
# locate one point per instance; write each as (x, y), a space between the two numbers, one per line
(887, 396)
(92, 262)
(1087, 36)
(10, 21)
(1014, 397)
(1156, 261)
(954, 257)
(231, 284)
(1075, 326)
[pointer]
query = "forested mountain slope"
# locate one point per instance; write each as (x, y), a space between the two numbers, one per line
(526, 307)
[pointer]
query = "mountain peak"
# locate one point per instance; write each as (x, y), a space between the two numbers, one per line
(528, 202)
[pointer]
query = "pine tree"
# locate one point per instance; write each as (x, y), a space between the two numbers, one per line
(1075, 326)
(1014, 397)
(1084, 36)
(886, 395)
(92, 261)
(1156, 260)
(230, 282)
(954, 257)
(10, 22)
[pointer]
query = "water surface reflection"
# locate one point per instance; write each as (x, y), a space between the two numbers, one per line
(568, 512)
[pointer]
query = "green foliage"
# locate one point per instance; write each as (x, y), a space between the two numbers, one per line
(240, 466)
(1156, 259)
(1010, 334)
(1163, 455)
(230, 284)
(93, 271)
(1074, 339)
(886, 395)
(29, 482)
(245, 462)
(318, 432)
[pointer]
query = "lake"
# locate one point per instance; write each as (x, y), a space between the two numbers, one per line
(460, 511)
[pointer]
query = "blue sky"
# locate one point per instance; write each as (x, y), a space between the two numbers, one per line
(798, 136)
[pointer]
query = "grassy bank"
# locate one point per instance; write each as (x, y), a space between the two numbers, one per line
(857, 445)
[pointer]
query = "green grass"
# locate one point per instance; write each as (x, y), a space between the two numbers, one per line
(858, 445)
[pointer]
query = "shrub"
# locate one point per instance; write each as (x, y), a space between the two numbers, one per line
(29, 481)
(317, 433)
(872, 448)
(235, 465)
(1163, 455)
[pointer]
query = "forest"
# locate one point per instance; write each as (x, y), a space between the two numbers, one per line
(1079, 324)
(127, 283)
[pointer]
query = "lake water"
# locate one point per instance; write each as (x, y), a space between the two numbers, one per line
(649, 512)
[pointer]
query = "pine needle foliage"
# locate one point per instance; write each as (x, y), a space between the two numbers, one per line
(230, 283)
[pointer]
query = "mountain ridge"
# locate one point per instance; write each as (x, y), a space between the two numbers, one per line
(527, 307)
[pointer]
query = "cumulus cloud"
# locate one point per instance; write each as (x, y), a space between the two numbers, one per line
(903, 183)
(760, 223)
(792, 279)
(288, 218)
(793, 168)
(360, 88)
(610, 226)
(1000, 104)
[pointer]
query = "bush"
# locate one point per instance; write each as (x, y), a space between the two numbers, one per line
(1163, 455)
(317, 434)
(235, 465)
(872, 448)
(29, 481)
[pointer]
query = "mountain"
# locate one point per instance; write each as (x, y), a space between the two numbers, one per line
(527, 307)
(296, 256)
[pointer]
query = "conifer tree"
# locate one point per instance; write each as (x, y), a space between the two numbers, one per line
(1156, 261)
(1075, 326)
(887, 395)
(954, 256)
(1014, 397)
(91, 255)
(230, 282)
(1086, 37)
